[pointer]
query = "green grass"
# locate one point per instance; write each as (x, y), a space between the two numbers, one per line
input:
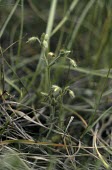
(55, 85)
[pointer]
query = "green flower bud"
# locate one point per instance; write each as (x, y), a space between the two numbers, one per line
(72, 62)
(44, 94)
(56, 89)
(50, 55)
(46, 37)
(33, 40)
(71, 93)
(45, 44)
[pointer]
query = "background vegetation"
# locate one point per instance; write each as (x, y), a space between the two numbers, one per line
(55, 84)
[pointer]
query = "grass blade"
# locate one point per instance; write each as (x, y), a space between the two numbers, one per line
(51, 17)
(8, 18)
(81, 19)
(62, 22)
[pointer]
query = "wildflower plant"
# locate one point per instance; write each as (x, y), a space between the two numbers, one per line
(53, 94)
